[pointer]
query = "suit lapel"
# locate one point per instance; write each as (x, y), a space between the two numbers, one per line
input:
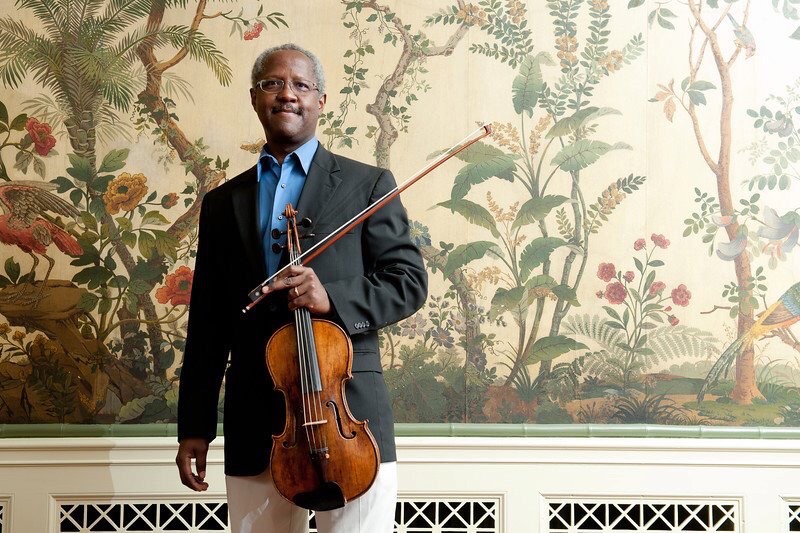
(245, 208)
(321, 182)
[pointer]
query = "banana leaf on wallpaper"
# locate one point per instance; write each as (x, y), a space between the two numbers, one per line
(621, 250)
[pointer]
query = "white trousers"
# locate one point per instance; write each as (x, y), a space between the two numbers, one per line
(255, 506)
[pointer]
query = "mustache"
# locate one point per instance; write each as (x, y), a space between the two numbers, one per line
(286, 107)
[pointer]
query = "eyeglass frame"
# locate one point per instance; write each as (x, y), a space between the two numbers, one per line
(282, 83)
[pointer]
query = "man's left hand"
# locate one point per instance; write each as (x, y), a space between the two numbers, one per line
(304, 289)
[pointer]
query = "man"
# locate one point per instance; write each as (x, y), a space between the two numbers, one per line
(371, 277)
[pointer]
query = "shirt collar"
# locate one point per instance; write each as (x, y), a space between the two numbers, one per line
(304, 154)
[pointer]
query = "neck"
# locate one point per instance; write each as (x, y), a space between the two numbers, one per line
(279, 150)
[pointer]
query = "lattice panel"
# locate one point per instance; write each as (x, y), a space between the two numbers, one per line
(2, 516)
(794, 516)
(447, 516)
(151, 517)
(641, 516)
(411, 516)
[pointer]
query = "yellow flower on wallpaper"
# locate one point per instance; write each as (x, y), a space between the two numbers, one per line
(124, 192)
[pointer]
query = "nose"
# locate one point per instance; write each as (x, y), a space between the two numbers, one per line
(286, 92)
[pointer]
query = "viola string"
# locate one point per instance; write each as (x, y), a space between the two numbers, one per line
(301, 337)
(314, 368)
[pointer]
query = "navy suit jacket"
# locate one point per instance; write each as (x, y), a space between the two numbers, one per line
(374, 276)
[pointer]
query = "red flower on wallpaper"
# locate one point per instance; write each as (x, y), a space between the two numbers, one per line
(616, 293)
(639, 244)
(657, 287)
(606, 271)
(681, 295)
(659, 240)
(41, 135)
(629, 276)
(177, 287)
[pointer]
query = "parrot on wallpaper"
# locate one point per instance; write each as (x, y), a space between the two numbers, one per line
(781, 314)
(744, 37)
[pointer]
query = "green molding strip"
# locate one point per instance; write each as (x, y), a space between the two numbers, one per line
(435, 430)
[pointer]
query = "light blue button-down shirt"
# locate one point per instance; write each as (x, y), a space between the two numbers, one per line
(279, 185)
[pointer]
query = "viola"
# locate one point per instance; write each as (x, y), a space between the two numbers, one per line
(324, 457)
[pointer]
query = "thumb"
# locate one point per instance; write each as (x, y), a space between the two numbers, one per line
(201, 465)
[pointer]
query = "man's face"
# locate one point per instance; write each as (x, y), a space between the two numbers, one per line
(289, 119)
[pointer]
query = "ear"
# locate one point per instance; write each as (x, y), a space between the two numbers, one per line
(253, 95)
(322, 100)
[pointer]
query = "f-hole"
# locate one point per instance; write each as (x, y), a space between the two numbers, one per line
(335, 408)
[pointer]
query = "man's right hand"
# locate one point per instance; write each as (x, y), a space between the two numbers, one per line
(197, 449)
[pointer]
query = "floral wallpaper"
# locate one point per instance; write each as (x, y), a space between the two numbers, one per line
(622, 249)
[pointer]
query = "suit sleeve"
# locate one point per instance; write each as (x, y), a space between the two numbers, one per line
(207, 340)
(394, 284)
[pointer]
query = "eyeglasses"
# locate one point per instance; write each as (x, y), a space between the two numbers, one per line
(275, 86)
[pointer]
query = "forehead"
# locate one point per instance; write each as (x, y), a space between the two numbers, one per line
(288, 64)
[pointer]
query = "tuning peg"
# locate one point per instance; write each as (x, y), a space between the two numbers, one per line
(276, 233)
(305, 223)
(308, 236)
(277, 248)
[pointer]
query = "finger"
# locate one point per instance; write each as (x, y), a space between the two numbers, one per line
(185, 471)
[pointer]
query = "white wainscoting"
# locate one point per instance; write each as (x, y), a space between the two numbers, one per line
(447, 485)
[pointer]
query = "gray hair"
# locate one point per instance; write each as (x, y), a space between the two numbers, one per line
(258, 65)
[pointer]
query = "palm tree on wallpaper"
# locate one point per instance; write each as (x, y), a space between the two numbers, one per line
(84, 58)
(713, 26)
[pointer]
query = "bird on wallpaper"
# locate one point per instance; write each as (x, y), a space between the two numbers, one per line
(782, 314)
(744, 38)
(26, 225)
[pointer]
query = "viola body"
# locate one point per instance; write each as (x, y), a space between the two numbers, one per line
(324, 457)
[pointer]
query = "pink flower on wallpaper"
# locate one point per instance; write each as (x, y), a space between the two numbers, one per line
(639, 244)
(681, 295)
(616, 293)
(254, 32)
(628, 276)
(673, 320)
(657, 287)
(659, 240)
(606, 271)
